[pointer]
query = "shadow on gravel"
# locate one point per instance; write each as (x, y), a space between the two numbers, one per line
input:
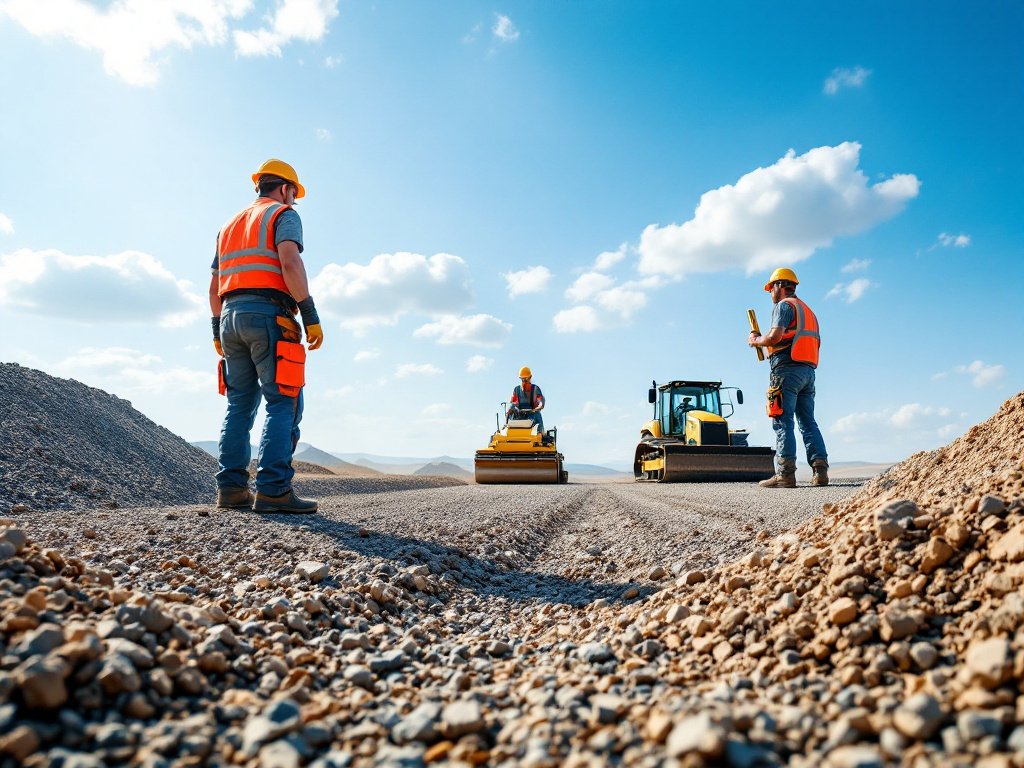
(495, 577)
(326, 485)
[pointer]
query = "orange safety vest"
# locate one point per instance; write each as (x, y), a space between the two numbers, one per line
(802, 335)
(246, 253)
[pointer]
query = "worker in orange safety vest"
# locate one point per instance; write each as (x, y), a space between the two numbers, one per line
(257, 288)
(792, 343)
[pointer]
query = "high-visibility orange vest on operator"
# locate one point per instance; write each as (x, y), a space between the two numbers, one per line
(247, 255)
(802, 334)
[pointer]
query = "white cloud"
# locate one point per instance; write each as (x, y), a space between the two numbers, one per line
(6, 225)
(856, 265)
(588, 285)
(330, 62)
(366, 354)
(124, 287)
(478, 363)
(305, 20)
(405, 370)
(470, 37)
(125, 370)
(504, 29)
(529, 280)
(583, 318)
(338, 393)
(594, 408)
(622, 301)
(393, 284)
(911, 418)
(609, 259)
(477, 330)
(130, 35)
(323, 134)
(983, 374)
(434, 410)
(843, 77)
(954, 241)
(850, 292)
(779, 214)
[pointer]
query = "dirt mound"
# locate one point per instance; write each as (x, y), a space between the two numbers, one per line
(66, 445)
(444, 469)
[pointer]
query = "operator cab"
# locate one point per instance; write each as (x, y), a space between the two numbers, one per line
(675, 399)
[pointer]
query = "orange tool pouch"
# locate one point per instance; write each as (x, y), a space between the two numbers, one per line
(291, 368)
(222, 376)
(290, 330)
(774, 406)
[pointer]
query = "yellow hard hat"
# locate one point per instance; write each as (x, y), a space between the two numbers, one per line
(782, 273)
(274, 167)
(525, 373)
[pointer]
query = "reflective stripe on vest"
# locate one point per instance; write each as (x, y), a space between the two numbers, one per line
(802, 335)
(246, 253)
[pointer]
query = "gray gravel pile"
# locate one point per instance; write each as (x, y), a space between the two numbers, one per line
(577, 625)
(66, 445)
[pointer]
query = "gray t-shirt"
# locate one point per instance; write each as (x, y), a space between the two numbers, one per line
(783, 316)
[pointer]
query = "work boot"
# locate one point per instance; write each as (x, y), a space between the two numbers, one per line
(820, 467)
(288, 503)
(785, 476)
(234, 498)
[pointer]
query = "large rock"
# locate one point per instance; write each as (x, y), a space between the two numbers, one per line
(990, 662)
(918, 717)
(893, 519)
(696, 734)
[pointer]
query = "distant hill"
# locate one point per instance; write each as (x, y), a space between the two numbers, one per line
(314, 455)
(444, 469)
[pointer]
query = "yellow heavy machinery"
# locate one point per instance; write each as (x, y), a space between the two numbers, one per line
(689, 439)
(520, 453)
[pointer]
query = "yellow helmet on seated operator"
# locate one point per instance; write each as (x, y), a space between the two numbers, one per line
(525, 373)
(281, 169)
(782, 273)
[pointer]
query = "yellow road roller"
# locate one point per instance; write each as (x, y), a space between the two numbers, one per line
(520, 453)
(689, 439)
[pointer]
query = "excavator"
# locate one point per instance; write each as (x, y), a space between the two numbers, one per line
(520, 453)
(689, 439)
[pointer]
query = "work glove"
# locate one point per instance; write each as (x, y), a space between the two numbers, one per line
(310, 319)
(215, 322)
(314, 336)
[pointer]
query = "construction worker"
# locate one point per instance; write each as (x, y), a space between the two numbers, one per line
(527, 396)
(258, 287)
(792, 343)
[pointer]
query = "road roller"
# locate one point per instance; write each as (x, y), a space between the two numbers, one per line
(689, 439)
(520, 453)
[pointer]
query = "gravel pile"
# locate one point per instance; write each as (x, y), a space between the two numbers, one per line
(576, 625)
(64, 445)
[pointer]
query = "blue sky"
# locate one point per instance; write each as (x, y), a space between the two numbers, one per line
(597, 190)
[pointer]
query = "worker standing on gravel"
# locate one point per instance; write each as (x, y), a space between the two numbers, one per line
(258, 286)
(792, 344)
(527, 396)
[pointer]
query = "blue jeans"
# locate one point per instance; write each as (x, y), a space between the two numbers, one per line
(249, 333)
(797, 382)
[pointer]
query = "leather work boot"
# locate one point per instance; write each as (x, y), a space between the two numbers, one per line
(234, 498)
(785, 476)
(820, 467)
(288, 503)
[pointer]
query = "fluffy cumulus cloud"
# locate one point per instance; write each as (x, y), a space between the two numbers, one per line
(131, 35)
(475, 330)
(529, 280)
(124, 287)
(405, 370)
(909, 419)
(124, 370)
(479, 363)
(609, 259)
(947, 240)
(393, 284)
(588, 285)
(6, 225)
(779, 214)
(304, 20)
(981, 374)
(845, 77)
(850, 292)
(577, 319)
(363, 355)
(504, 29)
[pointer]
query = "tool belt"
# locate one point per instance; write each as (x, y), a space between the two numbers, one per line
(774, 404)
(290, 374)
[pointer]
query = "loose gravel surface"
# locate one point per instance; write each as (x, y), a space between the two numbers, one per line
(422, 621)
